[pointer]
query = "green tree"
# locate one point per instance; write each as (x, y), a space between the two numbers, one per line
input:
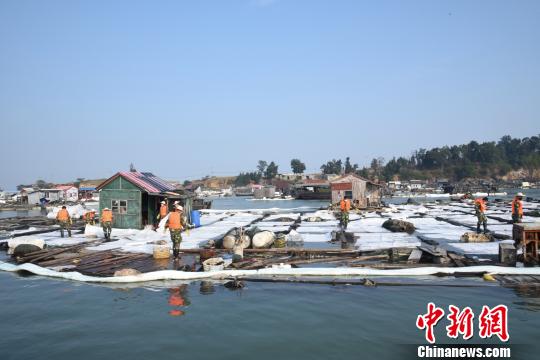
(271, 171)
(297, 166)
(42, 184)
(261, 166)
(332, 167)
(348, 167)
(244, 179)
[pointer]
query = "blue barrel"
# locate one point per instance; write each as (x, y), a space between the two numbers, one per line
(196, 218)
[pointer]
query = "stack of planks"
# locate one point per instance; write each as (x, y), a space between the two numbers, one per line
(41, 224)
(95, 263)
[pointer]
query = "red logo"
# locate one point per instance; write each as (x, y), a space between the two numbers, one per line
(461, 322)
(429, 320)
(492, 321)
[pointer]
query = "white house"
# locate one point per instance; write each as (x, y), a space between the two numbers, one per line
(51, 194)
(68, 192)
(417, 184)
(33, 197)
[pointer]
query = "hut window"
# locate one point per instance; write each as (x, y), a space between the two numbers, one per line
(119, 206)
(123, 207)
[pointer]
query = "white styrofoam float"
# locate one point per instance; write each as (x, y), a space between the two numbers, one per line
(334, 272)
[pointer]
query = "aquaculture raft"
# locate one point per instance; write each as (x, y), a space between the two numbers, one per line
(97, 263)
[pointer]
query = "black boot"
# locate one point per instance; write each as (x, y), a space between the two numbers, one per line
(176, 252)
(485, 228)
(478, 228)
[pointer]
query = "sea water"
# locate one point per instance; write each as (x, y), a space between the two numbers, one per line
(56, 319)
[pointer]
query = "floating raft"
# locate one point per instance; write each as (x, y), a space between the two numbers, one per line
(99, 263)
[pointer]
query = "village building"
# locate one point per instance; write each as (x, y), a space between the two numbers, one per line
(51, 195)
(23, 195)
(394, 185)
(68, 192)
(313, 189)
(88, 189)
(417, 184)
(134, 198)
(362, 192)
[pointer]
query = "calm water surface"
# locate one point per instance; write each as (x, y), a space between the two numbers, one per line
(44, 318)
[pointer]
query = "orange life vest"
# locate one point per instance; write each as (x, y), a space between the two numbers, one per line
(163, 211)
(481, 204)
(519, 206)
(62, 215)
(345, 205)
(175, 221)
(106, 216)
(90, 215)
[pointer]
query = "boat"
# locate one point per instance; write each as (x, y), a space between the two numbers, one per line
(243, 191)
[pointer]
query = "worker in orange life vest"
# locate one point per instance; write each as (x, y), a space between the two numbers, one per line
(106, 222)
(517, 208)
(176, 224)
(480, 210)
(89, 217)
(345, 207)
(163, 210)
(64, 220)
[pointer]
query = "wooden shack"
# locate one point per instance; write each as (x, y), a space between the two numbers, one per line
(312, 189)
(360, 191)
(134, 198)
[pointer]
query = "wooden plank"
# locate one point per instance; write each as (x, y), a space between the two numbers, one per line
(433, 250)
(458, 260)
(414, 257)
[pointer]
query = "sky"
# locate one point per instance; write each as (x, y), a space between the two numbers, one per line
(186, 89)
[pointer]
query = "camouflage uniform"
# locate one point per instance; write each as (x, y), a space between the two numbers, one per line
(482, 219)
(516, 216)
(65, 225)
(176, 238)
(345, 218)
(89, 219)
(107, 228)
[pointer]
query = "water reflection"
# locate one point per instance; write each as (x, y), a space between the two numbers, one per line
(178, 299)
(530, 295)
(207, 288)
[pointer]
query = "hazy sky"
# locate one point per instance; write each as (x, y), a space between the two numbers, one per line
(190, 88)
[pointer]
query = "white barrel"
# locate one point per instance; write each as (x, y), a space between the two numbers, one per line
(263, 239)
(229, 241)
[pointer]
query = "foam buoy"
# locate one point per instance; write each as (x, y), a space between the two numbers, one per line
(488, 277)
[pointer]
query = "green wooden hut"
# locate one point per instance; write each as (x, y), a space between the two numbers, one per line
(134, 198)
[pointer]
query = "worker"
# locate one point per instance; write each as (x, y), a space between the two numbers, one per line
(345, 206)
(163, 211)
(176, 224)
(64, 220)
(106, 222)
(89, 217)
(480, 210)
(517, 208)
